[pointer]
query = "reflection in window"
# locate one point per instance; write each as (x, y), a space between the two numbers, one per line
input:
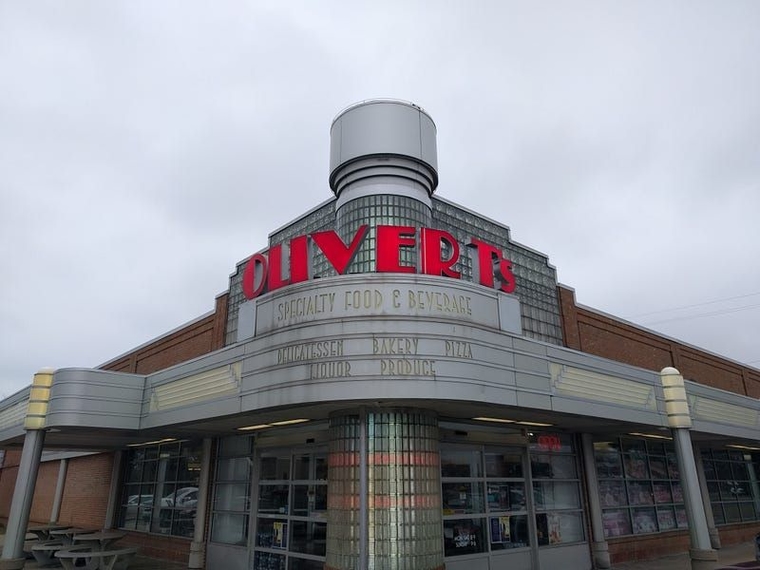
(461, 463)
(552, 495)
(291, 512)
(732, 485)
(502, 519)
(559, 527)
(508, 532)
(232, 484)
(477, 523)
(462, 497)
(504, 465)
(556, 490)
(649, 477)
(273, 499)
(463, 536)
(505, 496)
(161, 488)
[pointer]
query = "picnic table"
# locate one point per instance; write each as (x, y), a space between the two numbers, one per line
(41, 535)
(98, 541)
(84, 558)
(67, 534)
(44, 551)
(42, 532)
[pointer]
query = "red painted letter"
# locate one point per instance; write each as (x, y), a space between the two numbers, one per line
(506, 276)
(390, 240)
(276, 279)
(300, 259)
(251, 289)
(430, 244)
(336, 252)
(487, 262)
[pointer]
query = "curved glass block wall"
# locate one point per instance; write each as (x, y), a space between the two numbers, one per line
(403, 500)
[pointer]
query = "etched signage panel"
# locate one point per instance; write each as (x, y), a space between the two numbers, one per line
(369, 295)
(363, 354)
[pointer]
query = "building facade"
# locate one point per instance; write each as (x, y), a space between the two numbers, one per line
(393, 383)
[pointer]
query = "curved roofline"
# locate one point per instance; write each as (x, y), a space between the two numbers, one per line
(381, 100)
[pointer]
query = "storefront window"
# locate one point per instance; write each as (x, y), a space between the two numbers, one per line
(463, 497)
(291, 511)
(161, 488)
(556, 490)
(639, 486)
(732, 485)
(232, 484)
(483, 494)
(463, 536)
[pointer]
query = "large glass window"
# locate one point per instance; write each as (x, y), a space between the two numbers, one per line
(291, 513)
(639, 486)
(732, 485)
(230, 518)
(556, 490)
(161, 488)
(483, 495)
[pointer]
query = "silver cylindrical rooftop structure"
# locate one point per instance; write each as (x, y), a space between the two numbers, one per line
(383, 146)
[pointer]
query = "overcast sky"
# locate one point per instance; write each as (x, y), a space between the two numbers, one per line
(146, 147)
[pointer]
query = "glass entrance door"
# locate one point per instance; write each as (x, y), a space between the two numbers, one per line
(513, 507)
(486, 508)
(291, 511)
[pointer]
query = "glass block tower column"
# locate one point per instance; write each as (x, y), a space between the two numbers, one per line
(383, 170)
(384, 508)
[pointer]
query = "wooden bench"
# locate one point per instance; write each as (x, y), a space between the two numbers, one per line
(72, 557)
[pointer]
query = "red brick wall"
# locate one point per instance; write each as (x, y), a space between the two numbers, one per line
(44, 492)
(653, 546)
(192, 341)
(161, 547)
(596, 333)
(738, 533)
(8, 481)
(647, 547)
(85, 495)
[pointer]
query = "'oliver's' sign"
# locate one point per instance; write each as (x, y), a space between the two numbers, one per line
(264, 271)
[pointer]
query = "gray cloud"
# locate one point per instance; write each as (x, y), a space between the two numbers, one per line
(147, 147)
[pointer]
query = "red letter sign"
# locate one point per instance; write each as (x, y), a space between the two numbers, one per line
(300, 259)
(487, 262)
(390, 240)
(276, 280)
(335, 250)
(438, 253)
(430, 244)
(251, 289)
(506, 276)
